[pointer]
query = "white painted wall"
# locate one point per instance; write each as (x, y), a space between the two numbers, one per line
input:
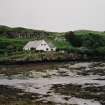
(26, 48)
(43, 46)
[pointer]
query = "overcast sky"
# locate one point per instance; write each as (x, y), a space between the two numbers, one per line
(54, 15)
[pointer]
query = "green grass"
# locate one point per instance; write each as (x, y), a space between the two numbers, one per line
(62, 44)
(8, 45)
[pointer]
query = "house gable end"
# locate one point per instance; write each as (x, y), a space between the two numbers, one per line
(43, 45)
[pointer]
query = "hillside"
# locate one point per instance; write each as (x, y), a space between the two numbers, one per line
(20, 32)
(12, 40)
(85, 32)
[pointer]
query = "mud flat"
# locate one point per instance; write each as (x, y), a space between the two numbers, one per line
(80, 83)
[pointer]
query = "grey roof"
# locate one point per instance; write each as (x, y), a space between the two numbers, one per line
(33, 43)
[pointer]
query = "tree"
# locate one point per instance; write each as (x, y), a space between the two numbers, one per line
(93, 41)
(73, 39)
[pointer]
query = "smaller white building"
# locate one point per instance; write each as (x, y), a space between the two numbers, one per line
(39, 45)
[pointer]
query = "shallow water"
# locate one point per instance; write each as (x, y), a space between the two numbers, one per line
(69, 83)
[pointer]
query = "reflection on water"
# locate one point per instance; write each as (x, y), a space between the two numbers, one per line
(65, 83)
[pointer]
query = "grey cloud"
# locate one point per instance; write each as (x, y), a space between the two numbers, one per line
(54, 15)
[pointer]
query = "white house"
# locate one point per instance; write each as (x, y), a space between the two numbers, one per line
(39, 45)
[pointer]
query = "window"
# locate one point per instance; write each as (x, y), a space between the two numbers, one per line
(52, 49)
(46, 49)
